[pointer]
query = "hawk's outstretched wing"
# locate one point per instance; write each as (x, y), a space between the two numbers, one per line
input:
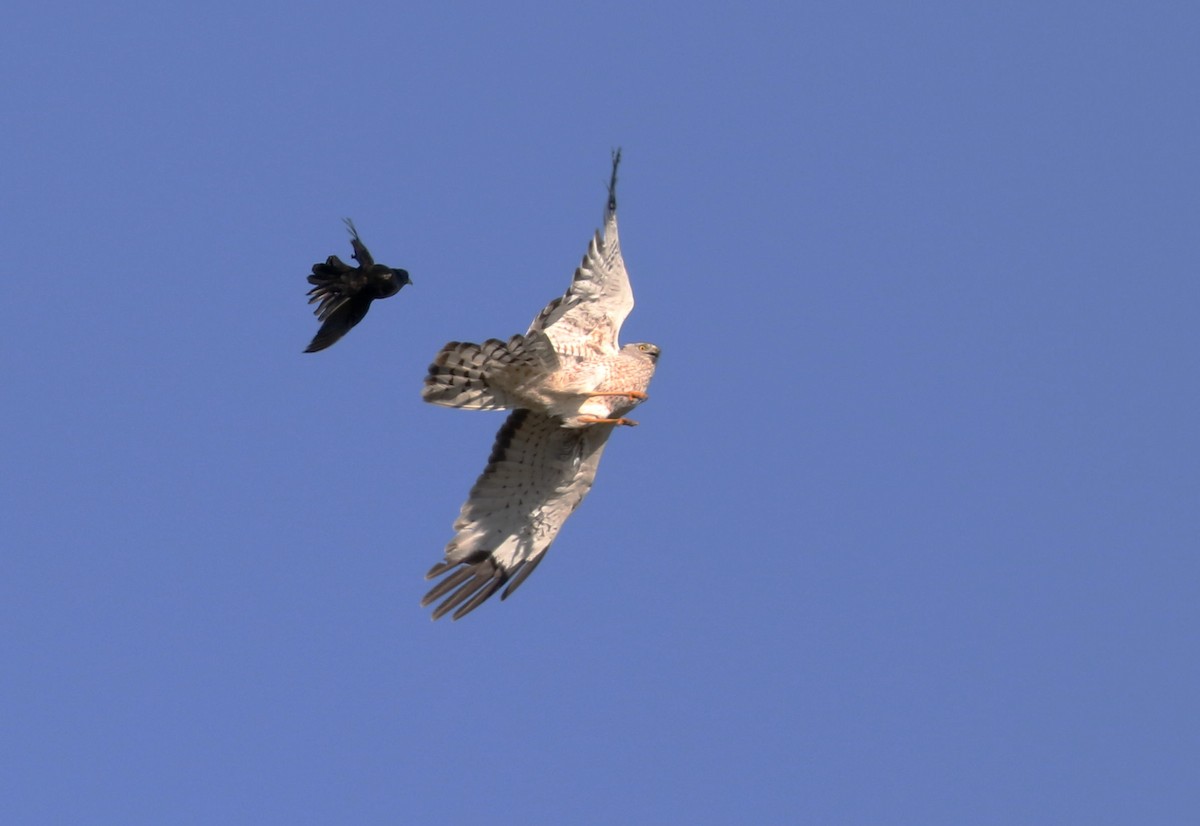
(586, 321)
(538, 473)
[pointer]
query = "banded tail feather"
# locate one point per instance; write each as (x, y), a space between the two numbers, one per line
(471, 375)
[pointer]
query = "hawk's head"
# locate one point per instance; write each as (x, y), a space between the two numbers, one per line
(646, 349)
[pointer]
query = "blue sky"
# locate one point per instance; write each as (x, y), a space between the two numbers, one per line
(908, 532)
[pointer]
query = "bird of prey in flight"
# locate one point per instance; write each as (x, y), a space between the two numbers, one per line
(345, 293)
(569, 384)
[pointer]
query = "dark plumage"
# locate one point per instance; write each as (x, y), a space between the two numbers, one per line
(345, 293)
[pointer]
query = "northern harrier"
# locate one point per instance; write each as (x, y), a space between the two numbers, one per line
(346, 292)
(569, 384)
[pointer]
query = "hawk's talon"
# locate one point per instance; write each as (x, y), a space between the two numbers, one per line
(632, 395)
(598, 420)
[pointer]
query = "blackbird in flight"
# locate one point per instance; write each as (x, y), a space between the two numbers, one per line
(345, 293)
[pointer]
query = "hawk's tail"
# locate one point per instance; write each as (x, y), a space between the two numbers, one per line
(463, 375)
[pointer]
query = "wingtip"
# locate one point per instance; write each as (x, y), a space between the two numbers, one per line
(318, 343)
(612, 181)
(326, 337)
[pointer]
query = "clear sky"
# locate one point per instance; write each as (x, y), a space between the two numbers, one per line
(908, 533)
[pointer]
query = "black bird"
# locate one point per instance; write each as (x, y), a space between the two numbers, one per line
(346, 292)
